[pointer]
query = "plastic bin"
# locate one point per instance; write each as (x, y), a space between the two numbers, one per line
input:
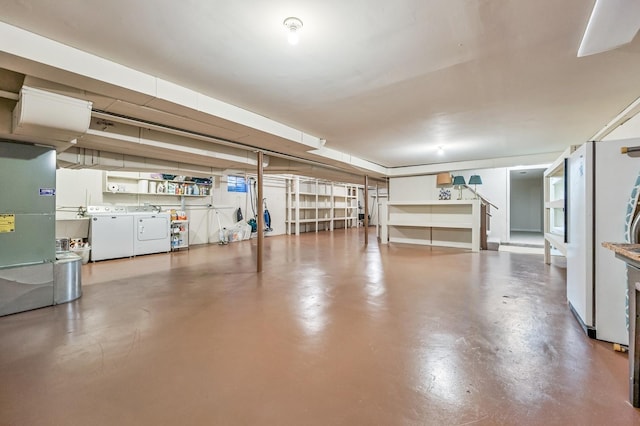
(83, 252)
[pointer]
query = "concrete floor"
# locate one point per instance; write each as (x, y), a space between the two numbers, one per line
(330, 334)
(525, 238)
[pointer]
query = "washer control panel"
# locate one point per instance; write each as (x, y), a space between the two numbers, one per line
(106, 209)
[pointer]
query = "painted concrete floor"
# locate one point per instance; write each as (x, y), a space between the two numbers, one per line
(332, 333)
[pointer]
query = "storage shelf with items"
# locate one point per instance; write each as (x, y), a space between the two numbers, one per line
(135, 183)
(179, 234)
(439, 223)
(314, 205)
(554, 204)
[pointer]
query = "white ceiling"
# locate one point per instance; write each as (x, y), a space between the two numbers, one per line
(385, 81)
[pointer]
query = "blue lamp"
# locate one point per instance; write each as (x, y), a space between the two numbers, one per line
(459, 181)
(475, 180)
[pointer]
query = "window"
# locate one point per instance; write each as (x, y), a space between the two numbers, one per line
(236, 184)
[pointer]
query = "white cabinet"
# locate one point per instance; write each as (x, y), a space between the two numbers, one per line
(448, 223)
(554, 204)
(179, 234)
(315, 205)
(144, 184)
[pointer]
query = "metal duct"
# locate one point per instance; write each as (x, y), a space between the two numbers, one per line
(43, 114)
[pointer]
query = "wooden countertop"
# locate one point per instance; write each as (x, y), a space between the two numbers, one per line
(629, 251)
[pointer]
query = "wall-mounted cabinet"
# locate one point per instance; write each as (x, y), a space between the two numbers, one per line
(146, 184)
(554, 207)
(314, 205)
(450, 223)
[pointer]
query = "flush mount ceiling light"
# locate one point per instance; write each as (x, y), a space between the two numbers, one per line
(293, 26)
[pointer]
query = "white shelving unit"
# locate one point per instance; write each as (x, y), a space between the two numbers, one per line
(554, 196)
(179, 234)
(133, 183)
(345, 202)
(315, 205)
(448, 223)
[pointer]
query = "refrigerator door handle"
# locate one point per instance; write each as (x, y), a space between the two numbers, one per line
(635, 227)
(566, 200)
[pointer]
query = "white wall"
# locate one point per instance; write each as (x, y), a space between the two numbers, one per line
(75, 188)
(629, 130)
(227, 203)
(493, 188)
(413, 188)
(526, 204)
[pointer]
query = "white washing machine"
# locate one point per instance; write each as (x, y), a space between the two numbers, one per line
(110, 233)
(151, 233)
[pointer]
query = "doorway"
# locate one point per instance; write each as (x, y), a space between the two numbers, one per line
(526, 207)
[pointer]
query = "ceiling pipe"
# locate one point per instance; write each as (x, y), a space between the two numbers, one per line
(204, 137)
(9, 95)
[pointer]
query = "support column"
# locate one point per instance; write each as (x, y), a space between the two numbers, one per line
(366, 210)
(260, 202)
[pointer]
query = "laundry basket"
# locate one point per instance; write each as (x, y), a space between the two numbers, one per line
(83, 252)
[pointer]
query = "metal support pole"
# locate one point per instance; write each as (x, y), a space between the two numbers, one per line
(260, 202)
(366, 210)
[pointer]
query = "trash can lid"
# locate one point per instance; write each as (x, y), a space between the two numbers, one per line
(67, 256)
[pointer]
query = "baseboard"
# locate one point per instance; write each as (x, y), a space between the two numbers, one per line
(589, 330)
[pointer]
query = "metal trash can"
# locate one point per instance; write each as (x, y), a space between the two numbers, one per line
(67, 280)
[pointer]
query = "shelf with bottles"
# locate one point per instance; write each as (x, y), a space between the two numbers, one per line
(134, 183)
(179, 234)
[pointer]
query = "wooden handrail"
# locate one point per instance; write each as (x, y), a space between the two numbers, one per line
(484, 200)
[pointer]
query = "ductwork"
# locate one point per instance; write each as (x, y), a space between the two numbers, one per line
(81, 158)
(47, 115)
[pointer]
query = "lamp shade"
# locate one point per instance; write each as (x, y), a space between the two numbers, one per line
(443, 179)
(458, 180)
(475, 180)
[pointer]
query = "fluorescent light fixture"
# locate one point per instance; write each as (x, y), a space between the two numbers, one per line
(613, 23)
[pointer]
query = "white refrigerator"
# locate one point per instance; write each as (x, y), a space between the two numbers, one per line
(600, 181)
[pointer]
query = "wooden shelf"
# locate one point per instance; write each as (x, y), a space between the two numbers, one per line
(431, 203)
(450, 223)
(554, 206)
(322, 197)
(128, 184)
(433, 225)
(556, 241)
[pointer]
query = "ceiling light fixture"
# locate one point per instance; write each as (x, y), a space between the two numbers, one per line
(440, 150)
(293, 26)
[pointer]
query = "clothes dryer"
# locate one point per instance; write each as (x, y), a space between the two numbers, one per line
(151, 233)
